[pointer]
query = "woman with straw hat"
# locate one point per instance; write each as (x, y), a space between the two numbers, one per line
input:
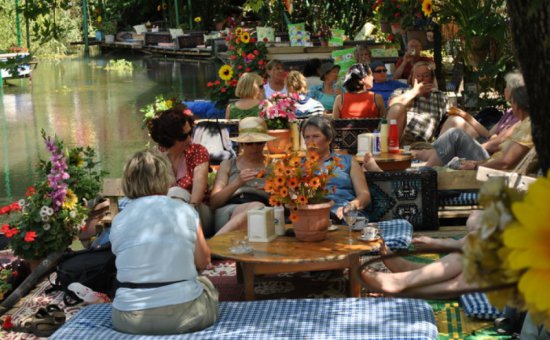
(237, 188)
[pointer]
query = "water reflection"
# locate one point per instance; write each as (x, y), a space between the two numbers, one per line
(83, 104)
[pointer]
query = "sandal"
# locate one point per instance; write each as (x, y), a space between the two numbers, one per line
(42, 324)
(56, 312)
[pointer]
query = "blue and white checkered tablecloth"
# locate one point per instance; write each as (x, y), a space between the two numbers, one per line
(396, 233)
(476, 305)
(357, 318)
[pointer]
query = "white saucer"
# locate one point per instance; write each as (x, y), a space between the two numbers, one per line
(360, 238)
(333, 228)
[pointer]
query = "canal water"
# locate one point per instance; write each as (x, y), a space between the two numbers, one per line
(86, 105)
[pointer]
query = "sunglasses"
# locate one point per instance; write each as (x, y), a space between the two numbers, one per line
(380, 71)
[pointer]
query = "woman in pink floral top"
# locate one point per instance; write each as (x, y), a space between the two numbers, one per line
(172, 130)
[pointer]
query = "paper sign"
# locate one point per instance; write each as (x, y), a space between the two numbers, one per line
(175, 32)
(337, 37)
(265, 33)
(345, 59)
(298, 35)
(140, 29)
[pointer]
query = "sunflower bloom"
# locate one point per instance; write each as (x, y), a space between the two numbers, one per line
(70, 200)
(427, 7)
(198, 19)
(225, 72)
(245, 37)
(529, 250)
(238, 31)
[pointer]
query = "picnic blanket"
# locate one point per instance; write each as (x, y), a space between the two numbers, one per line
(362, 318)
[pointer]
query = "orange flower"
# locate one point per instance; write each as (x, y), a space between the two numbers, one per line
(268, 186)
(315, 182)
(302, 200)
(294, 161)
(294, 217)
(293, 183)
(273, 201)
(279, 181)
(260, 174)
(283, 192)
(313, 156)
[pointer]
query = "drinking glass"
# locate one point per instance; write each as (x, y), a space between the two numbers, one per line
(350, 216)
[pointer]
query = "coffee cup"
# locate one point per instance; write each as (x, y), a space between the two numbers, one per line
(360, 223)
(369, 233)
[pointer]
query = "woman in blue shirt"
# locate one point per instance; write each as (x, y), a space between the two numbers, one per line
(349, 183)
(327, 92)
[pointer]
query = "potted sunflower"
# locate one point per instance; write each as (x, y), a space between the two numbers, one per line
(244, 54)
(300, 183)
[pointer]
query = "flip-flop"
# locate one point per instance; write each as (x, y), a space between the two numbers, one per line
(56, 312)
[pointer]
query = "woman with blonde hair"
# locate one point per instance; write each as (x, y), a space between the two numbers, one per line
(249, 89)
(159, 248)
(305, 105)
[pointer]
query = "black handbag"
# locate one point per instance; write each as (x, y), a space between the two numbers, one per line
(94, 268)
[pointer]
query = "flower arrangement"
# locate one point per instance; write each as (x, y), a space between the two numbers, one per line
(159, 104)
(294, 181)
(278, 111)
(54, 210)
(511, 247)
(245, 55)
(391, 11)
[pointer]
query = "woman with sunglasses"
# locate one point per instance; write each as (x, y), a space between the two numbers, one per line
(249, 90)
(172, 130)
(358, 102)
(382, 85)
(237, 188)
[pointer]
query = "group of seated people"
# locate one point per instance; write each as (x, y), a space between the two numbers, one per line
(166, 294)
(364, 92)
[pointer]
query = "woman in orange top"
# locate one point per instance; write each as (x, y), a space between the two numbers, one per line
(359, 102)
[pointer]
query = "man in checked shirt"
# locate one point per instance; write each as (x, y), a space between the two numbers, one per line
(419, 109)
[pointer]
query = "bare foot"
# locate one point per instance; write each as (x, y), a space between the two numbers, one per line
(385, 282)
(369, 164)
(422, 241)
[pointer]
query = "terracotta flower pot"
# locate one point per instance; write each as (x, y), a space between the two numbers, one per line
(282, 143)
(313, 222)
(385, 27)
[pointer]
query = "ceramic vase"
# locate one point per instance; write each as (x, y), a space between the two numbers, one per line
(282, 144)
(313, 222)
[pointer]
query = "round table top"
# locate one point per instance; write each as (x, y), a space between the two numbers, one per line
(287, 249)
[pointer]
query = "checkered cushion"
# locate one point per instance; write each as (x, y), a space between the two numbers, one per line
(476, 305)
(396, 233)
(462, 198)
(363, 318)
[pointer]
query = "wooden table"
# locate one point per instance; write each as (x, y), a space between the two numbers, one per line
(391, 161)
(288, 255)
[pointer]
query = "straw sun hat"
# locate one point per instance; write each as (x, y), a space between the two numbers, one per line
(252, 130)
